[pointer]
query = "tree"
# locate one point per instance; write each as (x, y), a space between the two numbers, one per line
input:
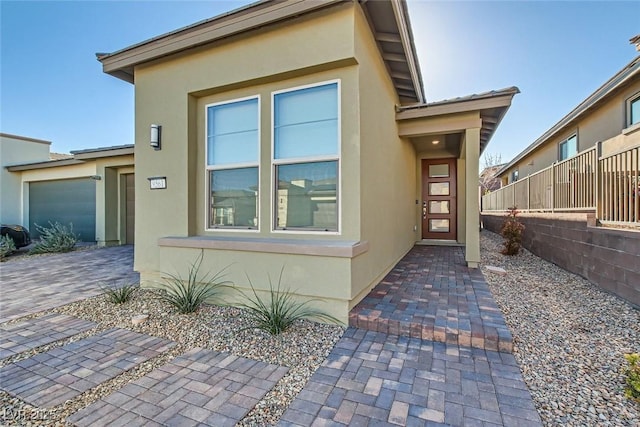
(491, 163)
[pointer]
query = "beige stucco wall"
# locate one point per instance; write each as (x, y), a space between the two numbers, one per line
(387, 170)
(16, 151)
(604, 122)
(173, 93)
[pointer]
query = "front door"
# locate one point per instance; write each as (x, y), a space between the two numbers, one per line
(439, 199)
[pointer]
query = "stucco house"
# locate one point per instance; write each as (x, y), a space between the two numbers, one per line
(609, 116)
(93, 189)
(296, 134)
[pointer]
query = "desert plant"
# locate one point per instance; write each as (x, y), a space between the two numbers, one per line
(281, 311)
(633, 376)
(187, 295)
(119, 294)
(512, 230)
(7, 246)
(55, 238)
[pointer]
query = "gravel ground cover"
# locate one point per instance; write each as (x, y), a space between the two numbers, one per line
(303, 348)
(569, 338)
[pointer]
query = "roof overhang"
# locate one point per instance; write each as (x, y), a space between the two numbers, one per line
(79, 157)
(388, 20)
(96, 153)
(491, 106)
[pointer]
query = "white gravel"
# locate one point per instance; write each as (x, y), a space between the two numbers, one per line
(569, 336)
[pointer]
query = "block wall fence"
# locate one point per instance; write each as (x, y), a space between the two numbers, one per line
(607, 257)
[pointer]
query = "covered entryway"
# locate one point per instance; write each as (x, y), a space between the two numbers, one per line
(448, 138)
(64, 201)
(439, 199)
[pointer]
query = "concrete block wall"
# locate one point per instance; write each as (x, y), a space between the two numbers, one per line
(608, 257)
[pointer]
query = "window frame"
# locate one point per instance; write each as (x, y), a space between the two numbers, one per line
(515, 175)
(630, 101)
(311, 159)
(233, 166)
(566, 141)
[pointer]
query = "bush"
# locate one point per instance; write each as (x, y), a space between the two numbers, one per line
(7, 246)
(632, 390)
(56, 238)
(281, 311)
(188, 295)
(512, 230)
(119, 295)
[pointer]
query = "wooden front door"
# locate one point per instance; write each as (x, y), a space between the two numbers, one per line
(439, 199)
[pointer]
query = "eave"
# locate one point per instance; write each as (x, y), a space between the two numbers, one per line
(388, 20)
(492, 107)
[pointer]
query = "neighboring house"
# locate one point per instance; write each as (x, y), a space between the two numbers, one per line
(92, 189)
(16, 149)
(295, 134)
(610, 115)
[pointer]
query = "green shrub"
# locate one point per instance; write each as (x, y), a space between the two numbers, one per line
(56, 238)
(188, 295)
(512, 230)
(633, 376)
(7, 246)
(281, 311)
(119, 295)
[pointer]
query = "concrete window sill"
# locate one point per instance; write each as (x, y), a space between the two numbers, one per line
(340, 249)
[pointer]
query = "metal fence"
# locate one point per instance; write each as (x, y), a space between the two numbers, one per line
(608, 185)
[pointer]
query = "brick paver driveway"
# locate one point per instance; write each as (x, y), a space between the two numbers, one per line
(38, 283)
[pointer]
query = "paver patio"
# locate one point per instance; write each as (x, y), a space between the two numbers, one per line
(39, 283)
(201, 387)
(22, 336)
(48, 379)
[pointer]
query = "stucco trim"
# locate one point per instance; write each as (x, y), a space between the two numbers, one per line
(339, 249)
(43, 165)
(24, 138)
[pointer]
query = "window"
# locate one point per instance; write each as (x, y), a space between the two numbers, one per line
(568, 147)
(305, 157)
(514, 175)
(232, 164)
(634, 111)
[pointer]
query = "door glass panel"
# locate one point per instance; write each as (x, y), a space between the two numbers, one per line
(439, 207)
(439, 171)
(439, 225)
(439, 189)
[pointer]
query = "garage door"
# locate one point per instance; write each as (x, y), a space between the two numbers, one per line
(65, 201)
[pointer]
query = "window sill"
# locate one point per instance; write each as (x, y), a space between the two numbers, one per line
(339, 249)
(631, 129)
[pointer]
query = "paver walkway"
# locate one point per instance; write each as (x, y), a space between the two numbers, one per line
(201, 387)
(48, 379)
(34, 284)
(22, 336)
(371, 378)
(432, 294)
(421, 350)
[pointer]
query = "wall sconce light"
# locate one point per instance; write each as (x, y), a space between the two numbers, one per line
(156, 131)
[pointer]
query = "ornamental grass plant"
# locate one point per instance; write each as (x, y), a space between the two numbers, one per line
(276, 314)
(188, 294)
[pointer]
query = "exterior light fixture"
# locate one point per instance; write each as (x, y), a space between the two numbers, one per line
(435, 142)
(154, 140)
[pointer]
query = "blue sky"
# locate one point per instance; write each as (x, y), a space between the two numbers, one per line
(557, 53)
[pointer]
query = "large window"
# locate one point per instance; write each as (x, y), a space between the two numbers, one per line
(568, 148)
(634, 111)
(232, 164)
(306, 147)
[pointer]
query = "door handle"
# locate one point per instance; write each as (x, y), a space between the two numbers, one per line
(424, 210)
